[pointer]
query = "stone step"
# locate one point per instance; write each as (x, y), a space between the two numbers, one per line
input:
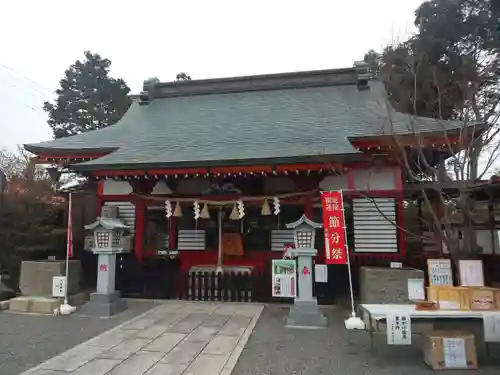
(44, 305)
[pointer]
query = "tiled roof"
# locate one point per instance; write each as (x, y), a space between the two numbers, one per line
(204, 127)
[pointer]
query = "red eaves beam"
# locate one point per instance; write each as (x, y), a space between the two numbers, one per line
(218, 170)
(43, 159)
(404, 141)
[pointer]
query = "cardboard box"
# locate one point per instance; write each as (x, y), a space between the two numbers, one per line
(447, 350)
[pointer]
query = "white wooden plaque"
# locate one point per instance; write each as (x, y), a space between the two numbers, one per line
(58, 286)
(491, 324)
(398, 329)
(440, 272)
(321, 273)
(471, 272)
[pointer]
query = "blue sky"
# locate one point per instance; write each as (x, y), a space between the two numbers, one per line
(205, 39)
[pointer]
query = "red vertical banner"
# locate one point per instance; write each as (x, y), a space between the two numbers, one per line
(334, 227)
(70, 227)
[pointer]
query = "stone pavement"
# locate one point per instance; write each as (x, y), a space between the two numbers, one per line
(177, 337)
(26, 340)
(274, 349)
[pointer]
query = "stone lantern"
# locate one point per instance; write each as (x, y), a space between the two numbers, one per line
(108, 240)
(304, 232)
(108, 234)
(304, 312)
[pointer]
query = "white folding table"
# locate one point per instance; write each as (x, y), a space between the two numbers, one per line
(379, 312)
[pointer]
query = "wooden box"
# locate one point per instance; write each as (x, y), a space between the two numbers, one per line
(449, 350)
(484, 298)
(449, 297)
(464, 298)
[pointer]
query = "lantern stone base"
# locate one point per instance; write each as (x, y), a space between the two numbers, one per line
(305, 315)
(104, 305)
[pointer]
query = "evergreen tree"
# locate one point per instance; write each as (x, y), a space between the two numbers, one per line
(88, 98)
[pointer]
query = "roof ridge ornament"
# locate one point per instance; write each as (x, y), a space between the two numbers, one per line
(147, 95)
(363, 74)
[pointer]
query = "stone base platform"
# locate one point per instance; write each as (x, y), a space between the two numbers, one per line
(104, 305)
(386, 285)
(4, 305)
(44, 305)
(305, 315)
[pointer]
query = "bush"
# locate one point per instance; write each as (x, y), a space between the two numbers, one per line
(32, 226)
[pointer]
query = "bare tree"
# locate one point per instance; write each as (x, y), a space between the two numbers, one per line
(444, 166)
(19, 165)
(448, 70)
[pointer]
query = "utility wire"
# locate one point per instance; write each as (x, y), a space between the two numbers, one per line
(23, 100)
(36, 88)
(42, 89)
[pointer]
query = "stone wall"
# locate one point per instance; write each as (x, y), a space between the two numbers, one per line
(386, 285)
(36, 276)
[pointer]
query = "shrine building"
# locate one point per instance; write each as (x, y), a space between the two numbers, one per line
(210, 171)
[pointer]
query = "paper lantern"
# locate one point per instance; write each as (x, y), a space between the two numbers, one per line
(204, 214)
(266, 210)
(177, 210)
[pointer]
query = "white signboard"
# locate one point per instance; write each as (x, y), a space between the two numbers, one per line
(455, 355)
(471, 272)
(58, 286)
(398, 329)
(440, 272)
(416, 289)
(320, 273)
(491, 324)
(284, 278)
(396, 265)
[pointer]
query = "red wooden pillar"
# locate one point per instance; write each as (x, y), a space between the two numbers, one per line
(140, 210)
(100, 200)
(308, 208)
(172, 233)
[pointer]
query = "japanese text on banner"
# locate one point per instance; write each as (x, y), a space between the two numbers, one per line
(334, 227)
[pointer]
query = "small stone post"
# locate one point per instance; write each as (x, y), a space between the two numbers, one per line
(304, 312)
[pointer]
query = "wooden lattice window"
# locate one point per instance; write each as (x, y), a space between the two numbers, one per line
(116, 238)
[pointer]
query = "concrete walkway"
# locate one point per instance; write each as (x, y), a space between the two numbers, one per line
(177, 337)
